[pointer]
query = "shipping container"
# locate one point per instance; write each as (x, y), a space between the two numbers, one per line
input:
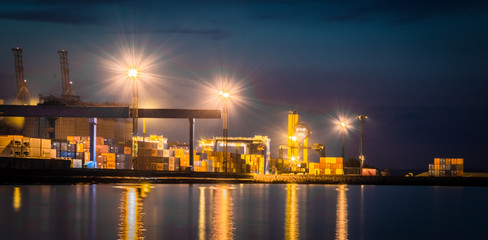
(77, 163)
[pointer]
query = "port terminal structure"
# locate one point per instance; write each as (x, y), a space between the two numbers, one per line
(297, 147)
(110, 112)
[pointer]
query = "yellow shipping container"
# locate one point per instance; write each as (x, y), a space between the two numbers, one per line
(45, 153)
(53, 153)
(79, 147)
(35, 152)
(86, 157)
(5, 140)
(327, 171)
(339, 171)
(437, 161)
(35, 143)
(46, 143)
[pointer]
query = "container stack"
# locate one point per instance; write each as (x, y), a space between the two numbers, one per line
(24, 147)
(209, 161)
(327, 166)
(110, 153)
(447, 167)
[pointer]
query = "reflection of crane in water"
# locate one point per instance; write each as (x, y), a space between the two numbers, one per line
(131, 206)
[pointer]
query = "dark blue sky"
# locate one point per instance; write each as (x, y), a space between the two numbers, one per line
(418, 69)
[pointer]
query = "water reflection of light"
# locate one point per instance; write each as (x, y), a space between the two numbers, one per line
(131, 206)
(341, 219)
(291, 213)
(201, 215)
(17, 199)
(223, 225)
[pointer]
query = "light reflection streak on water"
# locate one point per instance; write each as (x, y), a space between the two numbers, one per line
(17, 201)
(201, 215)
(223, 225)
(131, 206)
(291, 213)
(341, 219)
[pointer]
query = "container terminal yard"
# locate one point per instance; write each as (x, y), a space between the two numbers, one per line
(65, 140)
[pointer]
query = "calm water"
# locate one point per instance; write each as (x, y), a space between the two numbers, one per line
(205, 211)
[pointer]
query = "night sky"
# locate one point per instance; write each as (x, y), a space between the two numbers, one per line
(417, 69)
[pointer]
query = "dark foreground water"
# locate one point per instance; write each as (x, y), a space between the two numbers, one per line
(254, 211)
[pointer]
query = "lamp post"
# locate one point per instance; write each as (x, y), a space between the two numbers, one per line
(225, 116)
(135, 109)
(343, 135)
(361, 156)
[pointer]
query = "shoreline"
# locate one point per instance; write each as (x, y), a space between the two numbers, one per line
(108, 176)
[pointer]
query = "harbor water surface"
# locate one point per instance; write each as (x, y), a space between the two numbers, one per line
(242, 211)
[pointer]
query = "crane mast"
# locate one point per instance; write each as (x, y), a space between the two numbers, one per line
(23, 96)
(67, 92)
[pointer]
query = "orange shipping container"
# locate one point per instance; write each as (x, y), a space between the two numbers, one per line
(127, 150)
(110, 156)
(159, 166)
(110, 165)
(437, 161)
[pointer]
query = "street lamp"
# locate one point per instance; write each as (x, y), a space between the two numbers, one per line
(132, 74)
(343, 135)
(361, 156)
(225, 96)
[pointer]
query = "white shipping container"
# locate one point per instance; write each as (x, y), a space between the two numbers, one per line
(77, 163)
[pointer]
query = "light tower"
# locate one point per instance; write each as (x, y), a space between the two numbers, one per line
(225, 96)
(132, 74)
(23, 96)
(67, 93)
(343, 137)
(361, 118)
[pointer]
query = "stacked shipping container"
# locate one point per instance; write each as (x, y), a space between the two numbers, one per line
(25, 147)
(447, 167)
(327, 166)
(110, 153)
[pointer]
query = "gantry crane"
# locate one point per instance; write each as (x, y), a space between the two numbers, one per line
(23, 96)
(68, 95)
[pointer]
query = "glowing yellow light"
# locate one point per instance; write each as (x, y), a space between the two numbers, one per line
(201, 217)
(222, 214)
(133, 73)
(343, 124)
(291, 213)
(17, 198)
(341, 213)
